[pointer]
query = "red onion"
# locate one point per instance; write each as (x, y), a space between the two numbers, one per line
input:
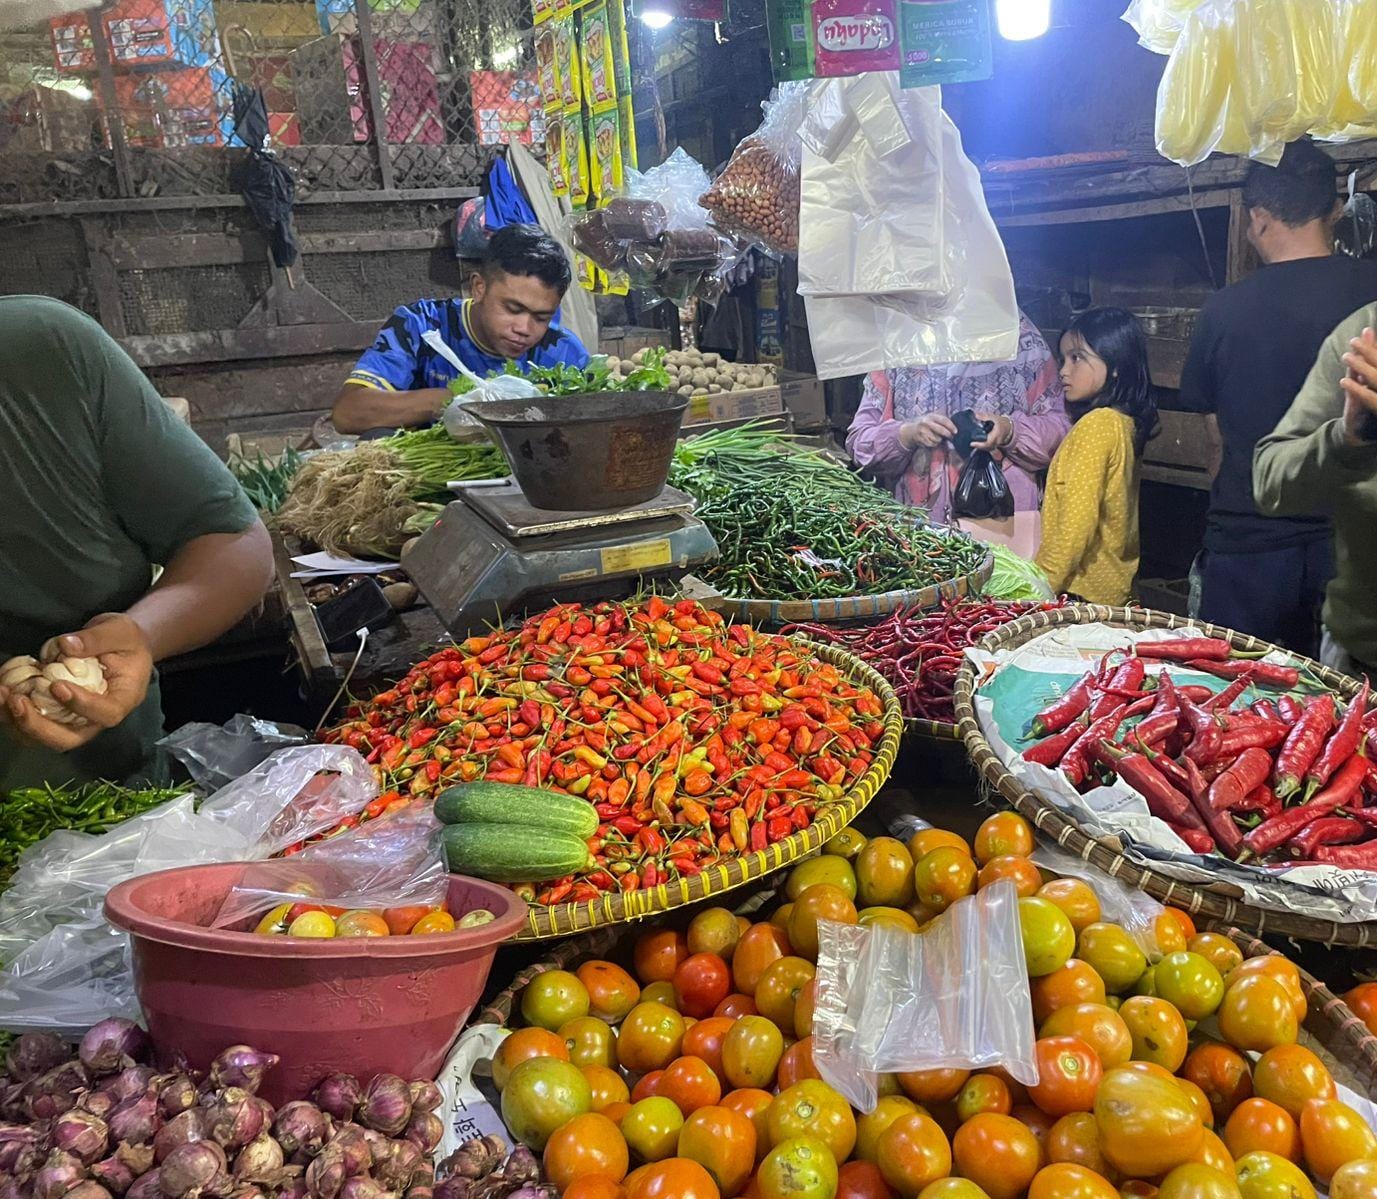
(146, 1186)
(185, 1129)
(325, 1175)
(268, 1111)
(396, 1170)
(453, 1187)
(81, 1134)
(301, 1127)
(424, 1130)
(424, 1174)
(425, 1096)
(55, 1092)
(98, 1103)
(29, 1160)
(112, 1045)
(293, 1188)
(241, 1066)
(521, 1165)
(338, 1095)
(246, 1191)
(114, 1175)
(60, 1173)
(33, 1053)
(362, 1187)
(176, 1095)
(130, 1083)
(191, 1168)
(135, 1120)
(235, 1119)
(138, 1158)
(386, 1104)
(352, 1141)
(533, 1190)
(89, 1190)
(12, 1102)
(420, 1191)
(12, 1188)
(260, 1160)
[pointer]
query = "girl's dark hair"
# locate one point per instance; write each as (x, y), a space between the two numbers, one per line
(1117, 338)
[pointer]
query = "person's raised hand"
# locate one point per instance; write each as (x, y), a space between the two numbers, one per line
(120, 646)
(1360, 388)
(929, 430)
(999, 436)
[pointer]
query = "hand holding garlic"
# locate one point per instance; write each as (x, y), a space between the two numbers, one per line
(33, 678)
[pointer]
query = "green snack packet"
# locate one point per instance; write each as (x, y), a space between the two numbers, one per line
(944, 41)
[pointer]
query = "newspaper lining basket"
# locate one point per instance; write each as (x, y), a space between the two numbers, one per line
(562, 920)
(1220, 903)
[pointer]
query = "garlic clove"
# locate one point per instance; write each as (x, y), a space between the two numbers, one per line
(79, 672)
(51, 651)
(18, 671)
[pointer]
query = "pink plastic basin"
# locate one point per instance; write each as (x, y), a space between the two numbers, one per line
(364, 1005)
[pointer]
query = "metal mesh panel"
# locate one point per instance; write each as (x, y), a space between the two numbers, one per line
(135, 98)
(190, 299)
(369, 287)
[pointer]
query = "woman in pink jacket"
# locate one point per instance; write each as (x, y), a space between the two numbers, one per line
(901, 430)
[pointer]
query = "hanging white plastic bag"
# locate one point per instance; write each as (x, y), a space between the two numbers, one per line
(970, 315)
(214, 755)
(458, 423)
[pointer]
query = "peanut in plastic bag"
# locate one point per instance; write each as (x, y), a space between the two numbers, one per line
(393, 861)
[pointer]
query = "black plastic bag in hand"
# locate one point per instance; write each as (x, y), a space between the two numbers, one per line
(982, 492)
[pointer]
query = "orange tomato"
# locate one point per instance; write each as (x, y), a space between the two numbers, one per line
(690, 1083)
(884, 874)
(926, 840)
(704, 1038)
(760, 945)
(913, 1152)
(1075, 1139)
(552, 999)
(1283, 970)
(520, 1046)
(542, 1095)
(863, 1180)
(821, 901)
(1196, 1181)
(1332, 1135)
(650, 1038)
(751, 1051)
(943, 876)
(813, 1109)
(1025, 876)
(1198, 1101)
(701, 981)
(779, 989)
(1257, 1013)
(1147, 1125)
(1003, 834)
(952, 1188)
(1290, 1076)
(1266, 1176)
(870, 1126)
(1137, 1188)
(983, 1093)
(1363, 1000)
(646, 1086)
(797, 1064)
(607, 1087)
(1100, 1027)
(1035, 1120)
(592, 1187)
(998, 1153)
(1218, 950)
(1076, 898)
(658, 954)
(933, 1086)
(1183, 918)
(1158, 1031)
(587, 1145)
(1214, 1153)
(1223, 1073)
(1066, 1180)
(752, 1103)
(723, 1142)
(591, 1041)
(1048, 938)
(616, 1111)
(651, 1128)
(1068, 986)
(713, 930)
(1357, 1180)
(803, 1009)
(402, 920)
(736, 1005)
(612, 992)
(1260, 1125)
(661, 992)
(1069, 1074)
(801, 1168)
(675, 1178)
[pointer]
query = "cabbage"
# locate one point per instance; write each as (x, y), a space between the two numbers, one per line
(1015, 578)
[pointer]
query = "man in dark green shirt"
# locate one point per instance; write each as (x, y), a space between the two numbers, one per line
(99, 484)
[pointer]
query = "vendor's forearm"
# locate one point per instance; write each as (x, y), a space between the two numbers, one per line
(359, 409)
(211, 583)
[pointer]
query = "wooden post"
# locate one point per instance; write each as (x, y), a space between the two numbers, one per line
(1242, 257)
(114, 118)
(368, 52)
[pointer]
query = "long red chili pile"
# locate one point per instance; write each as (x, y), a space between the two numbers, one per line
(1274, 780)
(695, 740)
(918, 651)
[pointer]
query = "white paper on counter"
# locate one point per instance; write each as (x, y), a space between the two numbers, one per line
(320, 564)
(466, 1112)
(1322, 892)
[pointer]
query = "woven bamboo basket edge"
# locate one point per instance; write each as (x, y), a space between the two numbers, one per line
(1104, 853)
(613, 910)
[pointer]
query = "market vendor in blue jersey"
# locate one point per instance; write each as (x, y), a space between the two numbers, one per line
(511, 317)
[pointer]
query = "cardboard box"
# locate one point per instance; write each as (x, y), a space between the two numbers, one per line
(734, 406)
(329, 84)
(168, 109)
(407, 20)
(622, 341)
(805, 396)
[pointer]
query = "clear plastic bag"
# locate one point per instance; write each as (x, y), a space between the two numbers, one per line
(757, 194)
(216, 754)
(393, 861)
(954, 996)
(458, 423)
(1134, 911)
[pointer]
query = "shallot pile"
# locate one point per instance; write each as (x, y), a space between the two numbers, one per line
(107, 1125)
(483, 1169)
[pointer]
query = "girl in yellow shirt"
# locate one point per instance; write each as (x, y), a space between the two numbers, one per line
(1090, 513)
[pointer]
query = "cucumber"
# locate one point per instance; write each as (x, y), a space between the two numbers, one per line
(510, 853)
(507, 803)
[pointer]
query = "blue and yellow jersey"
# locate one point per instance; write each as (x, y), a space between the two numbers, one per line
(400, 361)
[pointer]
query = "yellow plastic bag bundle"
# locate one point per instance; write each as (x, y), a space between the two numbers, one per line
(1355, 108)
(1159, 23)
(1196, 109)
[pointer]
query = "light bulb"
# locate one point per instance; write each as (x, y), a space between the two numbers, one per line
(1023, 20)
(655, 18)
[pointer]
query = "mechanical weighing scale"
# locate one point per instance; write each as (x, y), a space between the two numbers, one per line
(492, 554)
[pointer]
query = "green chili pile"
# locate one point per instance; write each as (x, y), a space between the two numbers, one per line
(28, 814)
(790, 523)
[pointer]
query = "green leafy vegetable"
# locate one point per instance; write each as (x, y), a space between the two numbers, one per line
(266, 481)
(1015, 578)
(564, 379)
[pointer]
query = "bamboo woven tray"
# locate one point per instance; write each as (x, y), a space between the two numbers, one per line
(1219, 904)
(930, 730)
(561, 920)
(853, 607)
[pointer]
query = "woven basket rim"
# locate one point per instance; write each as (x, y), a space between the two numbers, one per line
(615, 909)
(1103, 852)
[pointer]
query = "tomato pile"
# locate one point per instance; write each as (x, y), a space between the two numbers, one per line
(1175, 1074)
(694, 740)
(1283, 781)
